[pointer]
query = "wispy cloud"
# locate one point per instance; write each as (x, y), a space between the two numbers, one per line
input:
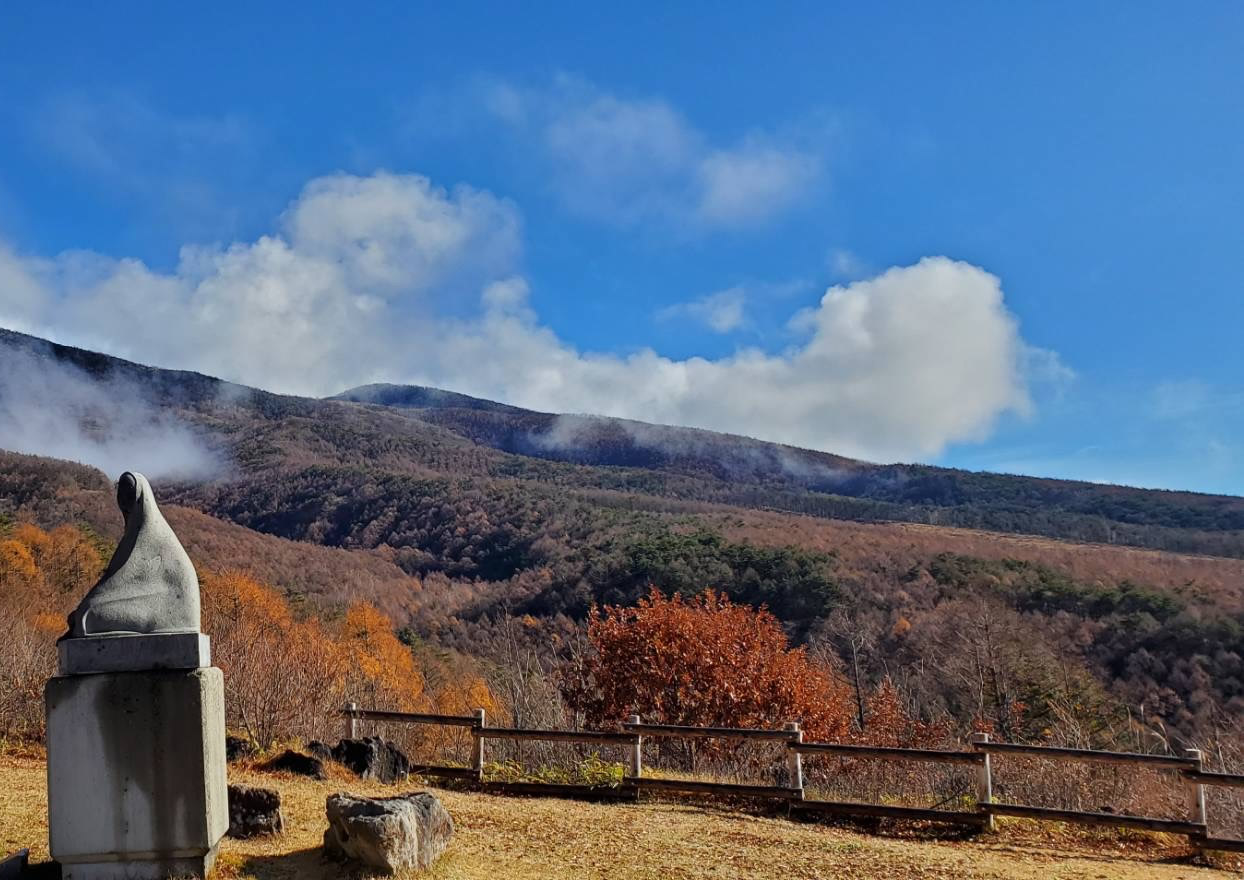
(630, 160)
(189, 169)
(721, 312)
(1179, 399)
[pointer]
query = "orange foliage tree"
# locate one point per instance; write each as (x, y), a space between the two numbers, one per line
(42, 573)
(702, 661)
(283, 678)
(381, 672)
(286, 678)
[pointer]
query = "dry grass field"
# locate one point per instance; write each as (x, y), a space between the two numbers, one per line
(551, 839)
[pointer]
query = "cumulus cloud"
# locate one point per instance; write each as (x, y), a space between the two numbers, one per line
(315, 305)
(633, 160)
(389, 278)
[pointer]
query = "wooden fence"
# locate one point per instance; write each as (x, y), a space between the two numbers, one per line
(633, 733)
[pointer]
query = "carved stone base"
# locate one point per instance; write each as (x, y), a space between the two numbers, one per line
(136, 773)
(134, 653)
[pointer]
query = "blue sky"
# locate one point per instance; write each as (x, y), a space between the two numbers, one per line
(641, 213)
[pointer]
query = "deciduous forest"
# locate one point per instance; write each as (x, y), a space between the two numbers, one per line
(426, 550)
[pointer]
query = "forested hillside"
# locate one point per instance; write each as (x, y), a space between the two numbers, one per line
(457, 517)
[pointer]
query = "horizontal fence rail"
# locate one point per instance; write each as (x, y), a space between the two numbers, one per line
(565, 736)
(889, 811)
(1147, 823)
(411, 717)
(1231, 780)
(983, 750)
(889, 753)
(735, 733)
(1060, 754)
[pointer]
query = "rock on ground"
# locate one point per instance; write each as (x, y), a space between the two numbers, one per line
(388, 834)
(298, 764)
(373, 758)
(239, 747)
(254, 811)
(320, 750)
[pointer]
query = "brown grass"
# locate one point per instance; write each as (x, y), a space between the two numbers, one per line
(551, 839)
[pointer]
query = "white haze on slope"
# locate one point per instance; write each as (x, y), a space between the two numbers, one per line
(60, 411)
(390, 278)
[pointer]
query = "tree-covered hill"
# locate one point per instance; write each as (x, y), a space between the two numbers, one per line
(453, 514)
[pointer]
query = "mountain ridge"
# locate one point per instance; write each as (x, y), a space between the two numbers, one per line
(417, 430)
(423, 510)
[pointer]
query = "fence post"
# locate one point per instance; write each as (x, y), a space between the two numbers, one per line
(635, 757)
(477, 753)
(794, 760)
(352, 728)
(1196, 793)
(984, 780)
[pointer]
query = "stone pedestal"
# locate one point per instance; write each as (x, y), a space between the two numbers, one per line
(136, 773)
(132, 652)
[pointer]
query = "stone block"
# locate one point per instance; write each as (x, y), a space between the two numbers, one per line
(133, 652)
(136, 773)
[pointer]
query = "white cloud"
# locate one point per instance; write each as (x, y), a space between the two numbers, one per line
(721, 312)
(388, 278)
(635, 160)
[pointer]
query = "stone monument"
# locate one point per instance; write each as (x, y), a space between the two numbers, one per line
(135, 719)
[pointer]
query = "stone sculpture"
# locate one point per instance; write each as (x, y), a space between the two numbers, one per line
(149, 585)
(144, 612)
(135, 719)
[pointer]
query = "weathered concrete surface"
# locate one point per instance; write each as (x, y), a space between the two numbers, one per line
(134, 653)
(149, 585)
(136, 773)
(388, 834)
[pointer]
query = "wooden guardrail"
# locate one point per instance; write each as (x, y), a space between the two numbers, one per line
(631, 736)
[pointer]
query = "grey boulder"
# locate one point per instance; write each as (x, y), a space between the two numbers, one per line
(388, 834)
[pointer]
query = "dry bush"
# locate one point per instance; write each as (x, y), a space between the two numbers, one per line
(41, 575)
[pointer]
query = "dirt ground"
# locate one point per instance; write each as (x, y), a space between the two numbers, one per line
(504, 838)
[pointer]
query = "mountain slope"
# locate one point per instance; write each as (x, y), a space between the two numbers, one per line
(426, 503)
(421, 432)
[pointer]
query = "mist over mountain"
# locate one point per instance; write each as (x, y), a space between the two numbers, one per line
(215, 435)
(455, 514)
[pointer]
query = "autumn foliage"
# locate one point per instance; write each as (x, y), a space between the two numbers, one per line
(703, 661)
(42, 575)
(285, 676)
